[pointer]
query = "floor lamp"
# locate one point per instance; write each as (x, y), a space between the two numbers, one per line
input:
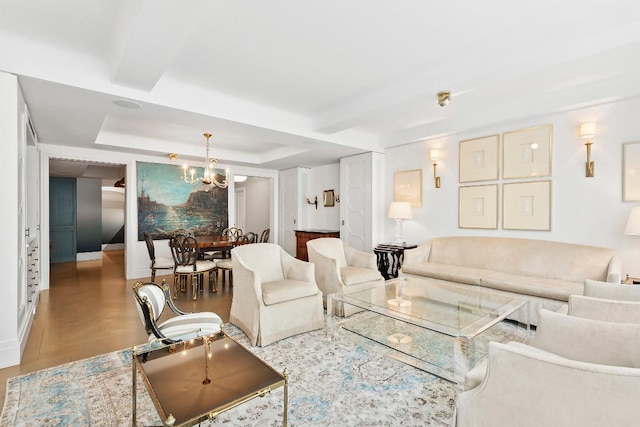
(399, 211)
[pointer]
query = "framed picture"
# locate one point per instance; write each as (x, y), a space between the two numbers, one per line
(407, 187)
(166, 203)
(328, 198)
(526, 153)
(526, 206)
(479, 159)
(631, 172)
(478, 206)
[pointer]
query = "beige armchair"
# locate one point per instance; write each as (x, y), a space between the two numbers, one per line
(575, 372)
(275, 295)
(340, 267)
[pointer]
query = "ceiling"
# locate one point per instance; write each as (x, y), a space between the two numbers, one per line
(288, 83)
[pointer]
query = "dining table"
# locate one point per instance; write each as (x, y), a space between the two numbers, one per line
(217, 243)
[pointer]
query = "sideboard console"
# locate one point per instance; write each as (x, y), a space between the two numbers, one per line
(303, 236)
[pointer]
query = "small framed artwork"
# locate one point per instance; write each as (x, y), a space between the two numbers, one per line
(631, 172)
(329, 198)
(526, 206)
(407, 187)
(478, 206)
(526, 153)
(479, 159)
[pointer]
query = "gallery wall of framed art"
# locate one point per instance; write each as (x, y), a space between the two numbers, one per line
(525, 157)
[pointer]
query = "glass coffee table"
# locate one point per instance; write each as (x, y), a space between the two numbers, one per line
(196, 380)
(440, 328)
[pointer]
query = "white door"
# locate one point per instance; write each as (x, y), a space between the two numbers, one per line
(289, 209)
(241, 209)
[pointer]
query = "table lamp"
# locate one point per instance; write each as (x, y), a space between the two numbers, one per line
(633, 222)
(399, 211)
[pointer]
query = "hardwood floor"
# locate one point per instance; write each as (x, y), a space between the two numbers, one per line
(89, 309)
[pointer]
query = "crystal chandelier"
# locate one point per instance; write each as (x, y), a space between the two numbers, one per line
(209, 176)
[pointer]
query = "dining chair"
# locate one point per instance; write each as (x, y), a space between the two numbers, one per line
(160, 263)
(152, 299)
(225, 266)
(264, 237)
(185, 253)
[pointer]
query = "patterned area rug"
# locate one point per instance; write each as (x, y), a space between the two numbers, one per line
(334, 382)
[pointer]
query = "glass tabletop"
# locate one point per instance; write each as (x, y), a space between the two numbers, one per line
(448, 309)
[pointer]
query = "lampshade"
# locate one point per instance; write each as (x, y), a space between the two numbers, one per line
(633, 223)
(434, 154)
(399, 210)
(587, 130)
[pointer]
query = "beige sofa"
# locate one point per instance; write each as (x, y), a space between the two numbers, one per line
(543, 272)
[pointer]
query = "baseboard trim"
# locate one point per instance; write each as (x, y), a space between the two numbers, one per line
(10, 354)
(88, 256)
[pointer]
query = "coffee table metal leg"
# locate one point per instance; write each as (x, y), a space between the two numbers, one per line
(329, 318)
(461, 355)
(286, 396)
(134, 386)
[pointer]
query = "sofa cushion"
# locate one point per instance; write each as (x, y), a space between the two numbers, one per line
(607, 310)
(355, 275)
(606, 290)
(537, 286)
(452, 273)
(586, 340)
(285, 290)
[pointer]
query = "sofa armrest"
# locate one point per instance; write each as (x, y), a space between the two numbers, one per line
(614, 273)
(417, 255)
(517, 377)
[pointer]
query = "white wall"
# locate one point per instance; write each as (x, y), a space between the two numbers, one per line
(584, 210)
(320, 179)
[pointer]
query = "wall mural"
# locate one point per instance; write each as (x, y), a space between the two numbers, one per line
(166, 203)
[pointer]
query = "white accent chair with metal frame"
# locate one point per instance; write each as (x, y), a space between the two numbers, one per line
(151, 299)
(275, 295)
(339, 267)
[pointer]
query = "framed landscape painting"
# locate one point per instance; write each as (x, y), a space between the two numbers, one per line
(167, 203)
(407, 187)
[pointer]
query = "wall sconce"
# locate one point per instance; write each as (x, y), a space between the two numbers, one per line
(315, 201)
(435, 155)
(444, 97)
(588, 131)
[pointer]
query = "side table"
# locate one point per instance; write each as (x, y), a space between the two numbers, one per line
(389, 257)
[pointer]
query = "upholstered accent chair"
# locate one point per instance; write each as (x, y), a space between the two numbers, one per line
(151, 299)
(157, 263)
(185, 253)
(275, 295)
(340, 267)
(576, 372)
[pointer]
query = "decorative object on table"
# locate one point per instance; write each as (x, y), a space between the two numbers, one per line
(399, 211)
(389, 258)
(328, 198)
(479, 159)
(478, 206)
(407, 187)
(434, 154)
(166, 203)
(631, 172)
(526, 153)
(313, 202)
(209, 176)
(588, 131)
(526, 206)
